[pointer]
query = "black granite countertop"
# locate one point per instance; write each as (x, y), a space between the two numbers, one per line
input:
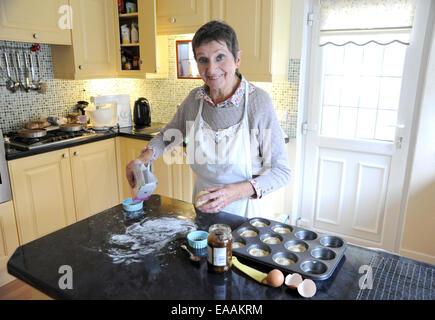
(145, 133)
(12, 153)
(112, 257)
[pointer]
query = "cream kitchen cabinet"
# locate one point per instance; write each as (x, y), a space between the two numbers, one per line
(43, 193)
(93, 51)
(93, 170)
(162, 59)
(181, 16)
(42, 21)
(182, 175)
(55, 189)
(263, 30)
(174, 180)
(8, 239)
(151, 50)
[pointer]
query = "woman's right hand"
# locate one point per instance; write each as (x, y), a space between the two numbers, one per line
(145, 157)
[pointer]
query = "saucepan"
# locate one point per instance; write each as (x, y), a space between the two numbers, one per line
(32, 133)
(70, 127)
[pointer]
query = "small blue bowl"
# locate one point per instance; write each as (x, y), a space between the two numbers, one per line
(197, 239)
(132, 205)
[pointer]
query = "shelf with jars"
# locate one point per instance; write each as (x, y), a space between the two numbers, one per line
(136, 38)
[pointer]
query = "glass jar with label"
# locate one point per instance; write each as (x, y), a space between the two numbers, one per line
(219, 244)
(136, 63)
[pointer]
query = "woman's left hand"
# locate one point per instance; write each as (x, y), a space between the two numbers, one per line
(224, 195)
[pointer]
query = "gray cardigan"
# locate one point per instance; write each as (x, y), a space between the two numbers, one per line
(268, 152)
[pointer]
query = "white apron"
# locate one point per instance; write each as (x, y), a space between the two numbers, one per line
(222, 157)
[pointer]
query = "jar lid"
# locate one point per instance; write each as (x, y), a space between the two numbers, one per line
(220, 228)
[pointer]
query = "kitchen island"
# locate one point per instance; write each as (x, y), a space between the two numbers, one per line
(113, 256)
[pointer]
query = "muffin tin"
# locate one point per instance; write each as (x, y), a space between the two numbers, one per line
(318, 261)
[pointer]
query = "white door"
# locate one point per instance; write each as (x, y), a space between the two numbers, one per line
(358, 123)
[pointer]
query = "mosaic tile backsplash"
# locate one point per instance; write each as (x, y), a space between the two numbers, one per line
(164, 94)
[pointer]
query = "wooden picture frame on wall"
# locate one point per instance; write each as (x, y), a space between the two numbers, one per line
(186, 64)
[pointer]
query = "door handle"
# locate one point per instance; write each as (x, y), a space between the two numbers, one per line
(399, 142)
(305, 128)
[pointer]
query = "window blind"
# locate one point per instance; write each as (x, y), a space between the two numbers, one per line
(365, 21)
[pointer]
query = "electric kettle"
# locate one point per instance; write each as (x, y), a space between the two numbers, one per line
(142, 113)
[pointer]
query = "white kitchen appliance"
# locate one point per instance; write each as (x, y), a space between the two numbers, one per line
(123, 109)
(103, 116)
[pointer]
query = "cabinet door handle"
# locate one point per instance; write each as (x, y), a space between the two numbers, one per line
(81, 67)
(65, 155)
(36, 36)
(76, 153)
(173, 20)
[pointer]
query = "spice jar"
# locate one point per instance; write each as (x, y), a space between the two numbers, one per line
(136, 63)
(219, 244)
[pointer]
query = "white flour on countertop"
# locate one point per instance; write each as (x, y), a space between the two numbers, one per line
(145, 237)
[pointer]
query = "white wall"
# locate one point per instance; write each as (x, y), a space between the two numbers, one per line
(418, 239)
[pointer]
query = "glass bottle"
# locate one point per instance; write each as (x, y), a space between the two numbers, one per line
(219, 253)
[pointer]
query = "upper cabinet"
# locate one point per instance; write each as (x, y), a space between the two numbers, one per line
(182, 16)
(92, 54)
(42, 21)
(263, 31)
(262, 27)
(141, 56)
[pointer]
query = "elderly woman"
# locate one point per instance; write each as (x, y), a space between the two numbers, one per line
(235, 145)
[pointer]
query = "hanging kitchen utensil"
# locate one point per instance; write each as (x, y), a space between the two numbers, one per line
(32, 74)
(18, 68)
(70, 127)
(26, 73)
(32, 133)
(10, 83)
(14, 65)
(38, 65)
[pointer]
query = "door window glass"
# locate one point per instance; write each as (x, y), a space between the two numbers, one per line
(362, 47)
(361, 90)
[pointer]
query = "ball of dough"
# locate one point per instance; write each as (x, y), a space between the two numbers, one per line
(200, 194)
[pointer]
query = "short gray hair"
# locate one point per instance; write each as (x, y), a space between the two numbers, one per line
(216, 31)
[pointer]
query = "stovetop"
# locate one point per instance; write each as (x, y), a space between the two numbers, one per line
(53, 137)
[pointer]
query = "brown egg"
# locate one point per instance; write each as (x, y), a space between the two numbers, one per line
(275, 278)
